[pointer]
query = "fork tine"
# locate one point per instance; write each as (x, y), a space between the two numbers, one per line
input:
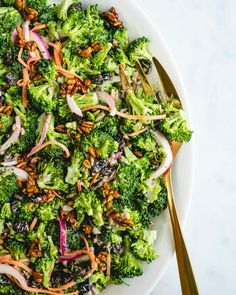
(124, 80)
(145, 83)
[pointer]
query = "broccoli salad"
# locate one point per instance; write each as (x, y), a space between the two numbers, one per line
(82, 156)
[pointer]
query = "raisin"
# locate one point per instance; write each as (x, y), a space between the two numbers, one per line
(85, 288)
(11, 80)
(115, 248)
(21, 227)
(99, 165)
(99, 79)
(107, 171)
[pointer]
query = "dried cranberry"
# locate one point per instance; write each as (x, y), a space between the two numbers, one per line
(21, 227)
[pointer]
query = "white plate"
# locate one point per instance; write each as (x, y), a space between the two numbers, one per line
(139, 24)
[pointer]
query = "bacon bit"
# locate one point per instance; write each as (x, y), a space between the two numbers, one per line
(123, 115)
(62, 146)
(19, 58)
(34, 222)
(63, 287)
(39, 27)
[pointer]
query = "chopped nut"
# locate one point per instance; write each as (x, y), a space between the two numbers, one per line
(38, 276)
(138, 154)
(113, 18)
(87, 228)
(7, 110)
(30, 46)
(30, 13)
(88, 50)
(79, 187)
(20, 4)
(35, 248)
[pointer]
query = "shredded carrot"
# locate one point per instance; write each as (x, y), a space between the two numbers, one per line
(33, 60)
(19, 58)
(24, 260)
(85, 242)
(123, 115)
(38, 148)
(63, 287)
(7, 256)
(39, 27)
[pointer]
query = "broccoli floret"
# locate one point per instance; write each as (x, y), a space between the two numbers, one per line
(109, 235)
(7, 3)
(86, 100)
(5, 123)
(26, 212)
(45, 265)
(63, 7)
(85, 27)
(99, 280)
(7, 287)
(73, 238)
(127, 265)
(8, 184)
(54, 151)
(47, 212)
(145, 142)
(103, 142)
(52, 176)
(52, 249)
(62, 111)
(108, 125)
(47, 69)
(53, 230)
(175, 126)
(144, 251)
(43, 96)
(5, 214)
(160, 204)
(10, 17)
(137, 49)
(17, 249)
(121, 36)
(39, 233)
(151, 189)
(88, 203)
(74, 171)
(100, 57)
(54, 30)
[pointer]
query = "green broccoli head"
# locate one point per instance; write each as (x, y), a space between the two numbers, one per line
(63, 7)
(109, 125)
(160, 204)
(73, 238)
(45, 265)
(47, 212)
(52, 176)
(99, 279)
(8, 184)
(121, 36)
(86, 100)
(87, 202)
(127, 265)
(175, 125)
(43, 96)
(47, 69)
(101, 55)
(74, 171)
(102, 141)
(110, 235)
(5, 123)
(144, 251)
(138, 49)
(10, 17)
(17, 249)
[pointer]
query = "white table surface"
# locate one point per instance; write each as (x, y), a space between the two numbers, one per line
(201, 35)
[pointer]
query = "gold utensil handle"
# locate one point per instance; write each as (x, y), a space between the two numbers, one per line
(188, 283)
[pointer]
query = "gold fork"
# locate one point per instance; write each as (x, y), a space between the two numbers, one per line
(166, 88)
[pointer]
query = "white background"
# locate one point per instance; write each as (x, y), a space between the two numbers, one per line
(201, 35)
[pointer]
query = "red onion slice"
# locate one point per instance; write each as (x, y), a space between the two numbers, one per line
(7, 164)
(73, 106)
(109, 100)
(41, 43)
(20, 173)
(11, 271)
(63, 246)
(45, 128)
(14, 36)
(14, 137)
(163, 142)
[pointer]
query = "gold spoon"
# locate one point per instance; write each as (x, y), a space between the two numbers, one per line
(166, 89)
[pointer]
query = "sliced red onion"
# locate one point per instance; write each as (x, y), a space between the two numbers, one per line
(63, 245)
(26, 32)
(7, 164)
(13, 272)
(45, 128)
(109, 100)
(73, 106)
(163, 142)
(14, 137)
(69, 258)
(41, 43)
